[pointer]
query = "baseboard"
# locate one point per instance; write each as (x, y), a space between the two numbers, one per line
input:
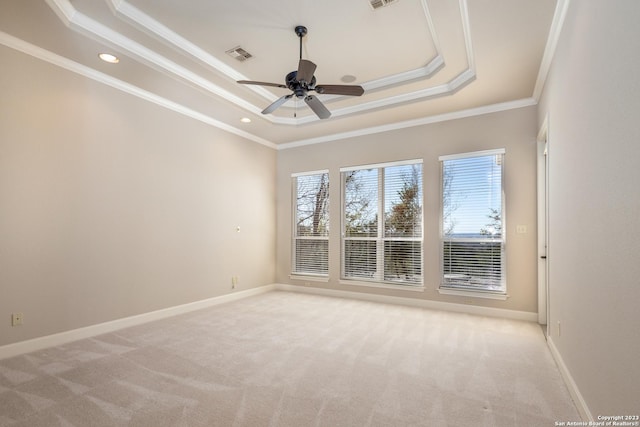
(413, 302)
(581, 405)
(61, 338)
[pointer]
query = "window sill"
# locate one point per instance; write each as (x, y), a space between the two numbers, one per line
(412, 288)
(309, 278)
(473, 294)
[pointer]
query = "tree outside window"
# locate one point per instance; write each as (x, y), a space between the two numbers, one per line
(311, 230)
(472, 222)
(382, 208)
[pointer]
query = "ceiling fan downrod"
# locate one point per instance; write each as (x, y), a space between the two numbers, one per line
(301, 31)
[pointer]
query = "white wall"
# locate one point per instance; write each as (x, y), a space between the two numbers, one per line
(111, 206)
(592, 99)
(514, 130)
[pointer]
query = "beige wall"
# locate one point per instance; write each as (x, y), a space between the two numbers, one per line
(592, 99)
(111, 206)
(513, 130)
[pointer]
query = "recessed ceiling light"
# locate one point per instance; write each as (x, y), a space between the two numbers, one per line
(107, 57)
(245, 120)
(348, 78)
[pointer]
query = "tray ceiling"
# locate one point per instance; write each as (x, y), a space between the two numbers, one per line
(416, 59)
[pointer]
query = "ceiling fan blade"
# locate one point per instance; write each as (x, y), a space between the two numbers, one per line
(305, 70)
(340, 90)
(273, 107)
(317, 107)
(250, 82)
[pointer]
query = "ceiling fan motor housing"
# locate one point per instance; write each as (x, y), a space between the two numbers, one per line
(299, 88)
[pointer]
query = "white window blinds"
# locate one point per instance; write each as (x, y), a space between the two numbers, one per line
(311, 223)
(473, 222)
(382, 223)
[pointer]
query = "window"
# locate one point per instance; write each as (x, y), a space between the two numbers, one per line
(382, 223)
(473, 222)
(311, 224)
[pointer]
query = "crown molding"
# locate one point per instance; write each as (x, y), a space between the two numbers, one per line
(550, 49)
(478, 111)
(97, 31)
(138, 19)
(69, 15)
(144, 22)
(121, 8)
(64, 10)
(450, 88)
(62, 62)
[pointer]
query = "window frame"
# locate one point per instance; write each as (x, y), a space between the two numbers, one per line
(379, 276)
(295, 238)
(458, 289)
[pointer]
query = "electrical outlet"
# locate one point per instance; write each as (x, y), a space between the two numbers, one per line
(16, 319)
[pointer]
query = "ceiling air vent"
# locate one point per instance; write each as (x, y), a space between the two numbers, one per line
(239, 53)
(377, 4)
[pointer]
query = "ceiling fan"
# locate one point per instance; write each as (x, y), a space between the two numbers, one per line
(302, 81)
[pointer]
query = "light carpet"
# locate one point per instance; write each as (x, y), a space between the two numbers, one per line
(290, 359)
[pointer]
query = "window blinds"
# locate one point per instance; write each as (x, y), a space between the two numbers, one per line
(311, 224)
(472, 222)
(382, 223)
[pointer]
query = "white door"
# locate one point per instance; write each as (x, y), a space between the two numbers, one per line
(543, 218)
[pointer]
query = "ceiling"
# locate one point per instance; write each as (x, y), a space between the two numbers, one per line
(418, 60)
